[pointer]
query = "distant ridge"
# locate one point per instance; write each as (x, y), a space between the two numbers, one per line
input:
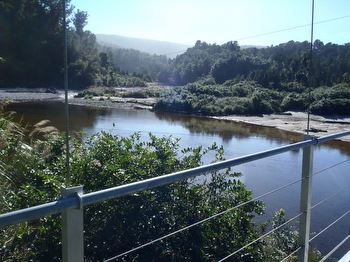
(169, 49)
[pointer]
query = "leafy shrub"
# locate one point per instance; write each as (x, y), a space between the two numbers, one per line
(331, 107)
(136, 94)
(295, 102)
(108, 161)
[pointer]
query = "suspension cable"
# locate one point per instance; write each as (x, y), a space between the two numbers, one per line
(325, 199)
(291, 254)
(330, 167)
(335, 248)
(310, 66)
(315, 205)
(273, 32)
(330, 225)
(203, 220)
(66, 106)
(229, 210)
(261, 237)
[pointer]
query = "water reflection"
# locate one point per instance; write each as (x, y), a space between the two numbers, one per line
(80, 117)
(227, 129)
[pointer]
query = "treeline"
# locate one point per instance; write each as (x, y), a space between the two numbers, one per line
(223, 80)
(31, 48)
(150, 67)
(274, 66)
(271, 66)
(250, 98)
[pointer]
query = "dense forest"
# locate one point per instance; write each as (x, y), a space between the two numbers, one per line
(151, 67)
(222, 80)
(271, 66)
(226, 79)
(31, 44)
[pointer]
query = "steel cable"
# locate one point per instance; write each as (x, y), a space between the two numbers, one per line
(228, 210)
(330, 225)
(315, 205)
(274, 32)
(291, 254)
(335, 248)
(203, 220)
(261, 237)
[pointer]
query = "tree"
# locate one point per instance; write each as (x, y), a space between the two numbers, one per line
(80, 21)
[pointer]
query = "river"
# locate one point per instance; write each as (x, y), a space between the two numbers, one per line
(238, 139)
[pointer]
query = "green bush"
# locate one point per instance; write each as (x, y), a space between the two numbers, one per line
(294, 102)
(245, 97)
(136, 94)
(106, 161)
(331, 107)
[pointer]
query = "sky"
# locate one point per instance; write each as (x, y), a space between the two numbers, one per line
(218, 21)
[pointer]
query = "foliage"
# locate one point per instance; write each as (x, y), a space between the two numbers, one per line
(285, 241)
(31, 45)
(250, 98)
(282, 242)
(274, 66)
(35, 173)
(147, 66)
(240, 98)
(280, 77)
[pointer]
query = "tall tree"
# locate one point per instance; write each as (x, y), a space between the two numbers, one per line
(80, 21)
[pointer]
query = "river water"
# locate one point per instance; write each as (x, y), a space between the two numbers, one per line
(238, 139)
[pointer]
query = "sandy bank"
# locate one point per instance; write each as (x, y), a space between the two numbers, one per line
(22, 95)
(25, 95)
(115, 102)
(296, 122)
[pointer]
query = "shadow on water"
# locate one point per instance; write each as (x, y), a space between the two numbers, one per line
(227, 130)
(80, 117)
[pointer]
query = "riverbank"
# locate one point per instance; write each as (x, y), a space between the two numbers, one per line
(115, 102)
(297, 122)
(23, 95)
(290, 121)
(18, 95)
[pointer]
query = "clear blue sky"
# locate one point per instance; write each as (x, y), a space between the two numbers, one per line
(219, 21)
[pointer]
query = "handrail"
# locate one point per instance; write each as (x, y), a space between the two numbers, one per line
(153, 241)
(202, 220)
(60, 205)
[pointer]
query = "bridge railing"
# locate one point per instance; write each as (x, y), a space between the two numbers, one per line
(73, 201)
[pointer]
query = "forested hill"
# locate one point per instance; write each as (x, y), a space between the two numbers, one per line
(31, 48)
(134, 61)
(149, 46)
(224, 80)
(270, 66)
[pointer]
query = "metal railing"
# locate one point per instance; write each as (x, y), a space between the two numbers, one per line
(73, 201)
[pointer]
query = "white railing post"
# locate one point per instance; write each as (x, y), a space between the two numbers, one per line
(73, 228)
(305, 203)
